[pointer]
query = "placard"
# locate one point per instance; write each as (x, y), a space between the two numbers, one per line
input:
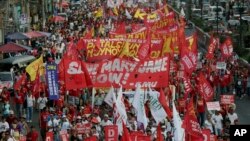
(213, 106)
(227, 99)
(221, 65)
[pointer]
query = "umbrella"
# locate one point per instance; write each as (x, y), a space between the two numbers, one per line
(45, 33)
(13, 47)
(34, 34)
(57, 19)
(17, 36)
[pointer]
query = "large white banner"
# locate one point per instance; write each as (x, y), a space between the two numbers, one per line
(156, 108)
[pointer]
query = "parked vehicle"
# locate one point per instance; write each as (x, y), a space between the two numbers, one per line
(212, 12)
(7, 76)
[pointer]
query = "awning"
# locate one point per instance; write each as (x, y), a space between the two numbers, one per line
(13, 47)
(34, 34)
(17, 36)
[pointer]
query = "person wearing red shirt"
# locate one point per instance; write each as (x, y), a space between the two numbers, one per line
(181, 104)
(43, 122)
(5, 95)
(19, 99)
(32, 135)
(201, 110)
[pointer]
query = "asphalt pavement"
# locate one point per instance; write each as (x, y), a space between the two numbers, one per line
(243, 110)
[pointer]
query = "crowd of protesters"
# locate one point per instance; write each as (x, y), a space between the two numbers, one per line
(74, 106)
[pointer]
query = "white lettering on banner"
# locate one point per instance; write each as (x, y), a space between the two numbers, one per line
(118, 65)
(111, 77)
(74, 68)
(146, 84)
(195, 126)
(187, 61)
(154, 66)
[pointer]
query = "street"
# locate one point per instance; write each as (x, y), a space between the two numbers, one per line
(243, 110)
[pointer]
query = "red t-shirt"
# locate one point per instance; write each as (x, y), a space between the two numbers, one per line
(19, 99)
(182, 104)
(200, 106)
(32, 136)
(43, 120)
(5, 96)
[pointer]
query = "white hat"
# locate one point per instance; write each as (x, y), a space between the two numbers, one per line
(11, 112)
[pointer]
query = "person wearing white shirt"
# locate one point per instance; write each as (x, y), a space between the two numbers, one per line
(209, 123)
(232, 116)
(65, 123)
(41, 102)
(30, 104)
(106, 121)
(4, 125)
(217, 118)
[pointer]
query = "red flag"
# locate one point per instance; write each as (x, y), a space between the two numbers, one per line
(159, 136)
(162, 100)
(121, 28)
(74, 74)
(89, 34)
(145, 47)
(80, 44)
(205, 88)
(98, 42)
(49, 136)
(72, 51)
(211, 48)
(92, 138)
(126, 134)
(190, 122)
(36, 83)
(21, 81)
(87, 77)
(227, 48)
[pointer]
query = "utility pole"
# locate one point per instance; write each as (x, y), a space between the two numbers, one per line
(241, 10)
(217, 17)
(44, 16)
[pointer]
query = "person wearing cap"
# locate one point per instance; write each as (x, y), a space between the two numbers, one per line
(65, 123)
(106, 121)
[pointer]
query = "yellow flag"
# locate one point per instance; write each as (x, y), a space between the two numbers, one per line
(140, 14)
(152, 16)
(166, 46)
(99, 13)
(115, 10)
(125, 50)
(32, 68)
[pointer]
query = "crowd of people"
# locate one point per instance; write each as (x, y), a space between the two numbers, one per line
(74, 107)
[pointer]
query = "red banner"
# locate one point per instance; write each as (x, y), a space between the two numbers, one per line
(211, 48)
(227, 99)
(206, 134)
(140, 34)
(205, 88)
(149, 73)
(49, 136)
(111, 133)
(83, 128)
(227, 48)
(64, 136)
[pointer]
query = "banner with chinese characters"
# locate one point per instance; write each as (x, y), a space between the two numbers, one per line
(52, 81)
